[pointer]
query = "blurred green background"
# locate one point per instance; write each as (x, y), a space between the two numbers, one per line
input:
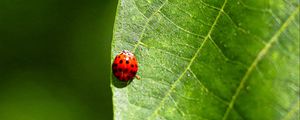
(55, 59)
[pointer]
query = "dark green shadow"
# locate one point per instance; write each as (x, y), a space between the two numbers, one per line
(118, 83)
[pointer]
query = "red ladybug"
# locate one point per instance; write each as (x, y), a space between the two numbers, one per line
(125, 66)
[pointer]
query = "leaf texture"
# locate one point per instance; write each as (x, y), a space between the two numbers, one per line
(209, 59)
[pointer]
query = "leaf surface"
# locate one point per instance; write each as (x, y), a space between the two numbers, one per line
(209, 59)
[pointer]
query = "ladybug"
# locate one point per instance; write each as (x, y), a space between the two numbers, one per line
(125, 66)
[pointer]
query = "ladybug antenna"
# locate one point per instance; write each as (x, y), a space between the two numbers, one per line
(125, 51)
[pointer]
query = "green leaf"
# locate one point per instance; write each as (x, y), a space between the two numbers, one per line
(209, 59)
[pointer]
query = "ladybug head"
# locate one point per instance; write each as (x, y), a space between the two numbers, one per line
(127, 52)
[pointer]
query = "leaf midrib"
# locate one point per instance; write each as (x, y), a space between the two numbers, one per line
(259, 56)
(191, 62)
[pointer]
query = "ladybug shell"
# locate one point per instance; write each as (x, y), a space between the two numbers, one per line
(125, 66)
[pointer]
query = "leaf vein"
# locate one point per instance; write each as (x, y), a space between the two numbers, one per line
(260, 55)
(292, 111)
(145, 26)
(218, 48)
(176, 105)
(190, 63)
(165, 51)
(138, 9)
(239, 28)
(206, 89)
(251, 8)
(187, 31)
(207, 5)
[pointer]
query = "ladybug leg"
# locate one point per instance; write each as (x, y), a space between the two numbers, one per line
(137, 77)
(128, 82)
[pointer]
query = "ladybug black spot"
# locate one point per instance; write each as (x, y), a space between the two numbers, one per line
(127, 62)
(120, 70)
(115, 65)
(121, 61)
(132, 65)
